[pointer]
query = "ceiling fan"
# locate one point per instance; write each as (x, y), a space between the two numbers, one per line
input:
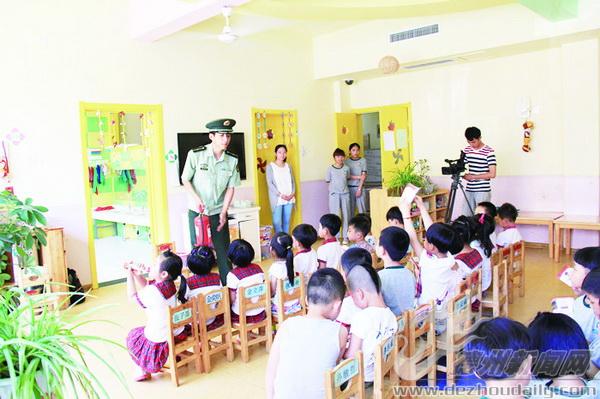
(227, 35)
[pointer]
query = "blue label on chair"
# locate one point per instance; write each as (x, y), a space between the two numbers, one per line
(288, 287)
(400, 324)
(256, 290)
(388, 346)
(182, 315)
(461, 304)
(346, 373)
(213, 298)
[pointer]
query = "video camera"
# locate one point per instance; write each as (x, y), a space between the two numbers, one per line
(455, 166)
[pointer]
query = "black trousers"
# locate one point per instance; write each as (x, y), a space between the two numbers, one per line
(220, 241)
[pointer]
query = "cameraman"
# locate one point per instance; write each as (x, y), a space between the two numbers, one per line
(481, 161)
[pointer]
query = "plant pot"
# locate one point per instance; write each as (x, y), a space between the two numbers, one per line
(395, 192)
(6, 386)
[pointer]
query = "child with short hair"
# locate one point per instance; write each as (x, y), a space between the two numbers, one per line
(305, 347)
(200, 261)
(148, 346)
(556, 336)
(397, 282)
(339, 195)
(591, 288)
(394, 217)
(358, 229)
(482, 242)
(352, 257)
(508, 213)
(282, 269)
(330, 252)
(498, 352)
(369, 238)
(374, 323)
(244, 274)
(305, 260)
(585, 260)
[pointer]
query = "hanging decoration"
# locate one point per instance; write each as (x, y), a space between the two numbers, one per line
(258, 135)
(283, 127)
(122, 125)
(261, 165)
(113, 137)
(397, 156)
(170, 156)
(4, 169)
(14, 136)
(344, 130)
(388, 64)
(100, 129)
(527, 127)
(270, 134)
(264, 135)
(290, 126)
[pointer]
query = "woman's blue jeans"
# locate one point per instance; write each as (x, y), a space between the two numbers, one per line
(281, 218)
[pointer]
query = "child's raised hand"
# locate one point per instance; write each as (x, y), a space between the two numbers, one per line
(419, 202)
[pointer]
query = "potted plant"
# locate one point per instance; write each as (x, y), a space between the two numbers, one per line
(41, 353)
(21, 232)
(415, 173)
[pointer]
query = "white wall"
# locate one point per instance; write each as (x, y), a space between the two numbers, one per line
(58, 53)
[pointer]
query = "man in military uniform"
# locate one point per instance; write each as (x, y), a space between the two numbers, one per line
(210, 176)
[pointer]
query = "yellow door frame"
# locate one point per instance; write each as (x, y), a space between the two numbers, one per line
(156, 174)
(294, 150)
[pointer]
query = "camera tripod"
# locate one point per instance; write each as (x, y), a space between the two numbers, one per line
(456, 183)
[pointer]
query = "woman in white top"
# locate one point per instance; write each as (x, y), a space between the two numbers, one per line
(282, 189)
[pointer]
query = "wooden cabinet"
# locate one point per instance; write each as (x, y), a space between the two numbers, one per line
(381, 202)
(53, 258)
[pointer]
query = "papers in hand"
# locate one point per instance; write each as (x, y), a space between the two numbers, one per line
(409, 193)
(563, 305)
(565, 275)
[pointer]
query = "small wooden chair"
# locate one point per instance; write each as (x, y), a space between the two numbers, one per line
(188, 350)
(210, 306)
(287, 292)
(418, 357)
(385, 359)
(160, 248)
(402, 333)
(517, 271)
(253, 297)
(452, 341)
(497, 300)
(349, 372)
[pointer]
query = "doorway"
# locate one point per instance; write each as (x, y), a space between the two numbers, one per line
(125, 186)
(370, 131)
(272, 127)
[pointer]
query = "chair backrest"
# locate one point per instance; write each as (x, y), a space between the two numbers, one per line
(402, 334)
(160, 248)
(182, 315)
(255, 296)
(385, 359)
(290, 292)
(421, 323)
(350, 375)
(459, 318)
(213, 304)
(500, 288)
(518, 255)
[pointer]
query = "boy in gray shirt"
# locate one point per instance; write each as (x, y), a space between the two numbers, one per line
(397, 282)
(339, 195)
(358, 175)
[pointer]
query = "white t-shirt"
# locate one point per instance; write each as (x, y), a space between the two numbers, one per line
(283, 181)
(437, 278)
(590, 325)
(373, 325)
(308, 347)
(278, 270)
(486, 266)
(306, 263)
(234, 283)
(507, 237)
(203, 290)
(330, 253)
(347, 311)
(157, 313)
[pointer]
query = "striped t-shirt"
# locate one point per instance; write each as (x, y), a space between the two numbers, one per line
(479, 162)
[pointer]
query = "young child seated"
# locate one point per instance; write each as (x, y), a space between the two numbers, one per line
(591, 288)
(305, 260)
(244, 274)
(397, 282)
(200, 261)
(374, 322)
(305, 347)
(468, 259)
(351, 258)
(369, 238)
(489, 209)
(394, 217)
(282, 268)
(148, 346)
(437, 265)
(358, 228)
(498, 353)
(507, 213)
(330, 252)
(482, 242)
(562, 358)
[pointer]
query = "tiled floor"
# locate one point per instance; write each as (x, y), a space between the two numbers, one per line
(246, 380)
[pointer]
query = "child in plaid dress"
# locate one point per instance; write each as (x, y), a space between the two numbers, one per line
(244, 274)
(282, 269)
(200, 262)
(148, 346)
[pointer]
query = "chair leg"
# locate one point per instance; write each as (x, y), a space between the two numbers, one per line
(510, 290)
(228, 339)
(198, 361)
(522, 283)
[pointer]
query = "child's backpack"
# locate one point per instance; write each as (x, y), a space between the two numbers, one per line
(75, 288)
(203, 236)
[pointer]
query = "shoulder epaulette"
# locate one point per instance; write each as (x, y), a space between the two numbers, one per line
(231, 153)
(198, 149)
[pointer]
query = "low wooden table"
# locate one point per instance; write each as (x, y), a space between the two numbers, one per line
(570, 223)
(541, 218)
